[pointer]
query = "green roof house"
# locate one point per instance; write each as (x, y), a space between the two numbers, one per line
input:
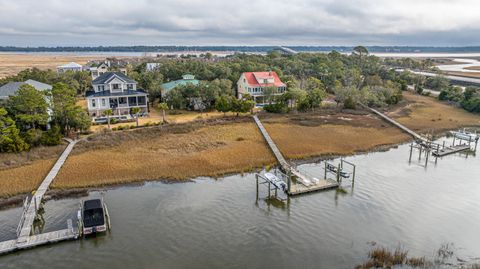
(186, 79)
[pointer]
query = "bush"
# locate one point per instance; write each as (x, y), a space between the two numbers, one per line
(276, 108)
(33, 137)
(349, 103)
(51, 137)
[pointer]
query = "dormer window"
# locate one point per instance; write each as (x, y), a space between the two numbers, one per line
(116, 86)
(129, 87)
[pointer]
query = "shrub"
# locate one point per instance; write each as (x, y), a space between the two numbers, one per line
(51, 137)
(276, 108)
(349, 103)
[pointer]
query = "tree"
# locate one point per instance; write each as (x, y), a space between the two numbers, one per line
(108, 113)
(315, 98)
(163, 107)
(64, 106)
(136, 111)
(10, 139)
(29, 107)
(269, 93)
(314, 83)
(360, 50)
(223, 104)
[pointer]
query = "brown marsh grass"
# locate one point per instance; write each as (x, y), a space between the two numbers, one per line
(212, 150)
(426, 113)
(25, 178)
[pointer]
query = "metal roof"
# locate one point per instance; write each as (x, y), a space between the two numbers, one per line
(172, 84)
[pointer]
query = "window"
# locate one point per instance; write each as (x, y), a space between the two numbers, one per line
(129, 87)
(93, 102)
(142, 100)
(101, 88)
(132, 101)
(103, 101)
(116, 86)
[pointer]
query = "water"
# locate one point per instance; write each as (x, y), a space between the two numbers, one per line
(219, 224)
(461, 67)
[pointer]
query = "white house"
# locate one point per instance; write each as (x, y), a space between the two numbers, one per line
(254, 83)
(99, 70)
(69, 67)
(152, 66)
(116, 91)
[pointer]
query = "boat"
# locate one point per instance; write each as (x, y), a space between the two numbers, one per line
(94, 216)
(277, 182)
(465, 135)
(333, 169)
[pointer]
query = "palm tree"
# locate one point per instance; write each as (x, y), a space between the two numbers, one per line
(136, 111)
(163, 107)
(108, 113)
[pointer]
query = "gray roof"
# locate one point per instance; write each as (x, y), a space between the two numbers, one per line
(109, 94)
(11, 88)
(39, 85)
(107, 76)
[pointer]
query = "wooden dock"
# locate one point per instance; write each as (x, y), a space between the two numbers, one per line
(450, 150)
(302, 183)
(417, 137)
(24, 231)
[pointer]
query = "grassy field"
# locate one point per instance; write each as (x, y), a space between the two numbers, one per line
(11, 64)
(218, 146)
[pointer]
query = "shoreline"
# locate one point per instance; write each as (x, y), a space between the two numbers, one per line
(59, 194)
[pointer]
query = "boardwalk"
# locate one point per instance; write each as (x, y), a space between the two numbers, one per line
(306, 184)
(416, 136)
(24, 232)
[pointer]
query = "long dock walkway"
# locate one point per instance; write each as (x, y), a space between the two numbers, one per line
(24, 232)
(306, 184)
(416, 136)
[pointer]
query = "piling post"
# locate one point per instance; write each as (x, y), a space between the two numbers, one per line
(476, 142)
(269, 189)
(453, 140)
(338, 173)
(353, 174)
(325, 177)
(256, 177)
(443, 144)
(411, 150)
(420, 152)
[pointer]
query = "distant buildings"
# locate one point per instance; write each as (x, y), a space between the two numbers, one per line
(254, 84)
(69, 67)
(99, 68)
(116, 91)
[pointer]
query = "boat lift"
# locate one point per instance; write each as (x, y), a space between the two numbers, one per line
(339, 171)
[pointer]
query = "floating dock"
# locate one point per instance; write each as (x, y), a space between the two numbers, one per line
(302, 184)
(25, 238)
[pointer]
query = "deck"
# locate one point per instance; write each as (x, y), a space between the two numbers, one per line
(450, 150)
(323, 184)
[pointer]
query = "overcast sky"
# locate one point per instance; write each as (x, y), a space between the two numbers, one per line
(240, 22)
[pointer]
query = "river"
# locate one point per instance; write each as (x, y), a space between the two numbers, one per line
(219, 223)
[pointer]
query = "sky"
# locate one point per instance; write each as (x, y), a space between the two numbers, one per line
(239, 22)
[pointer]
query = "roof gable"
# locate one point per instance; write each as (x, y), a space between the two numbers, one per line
(108, 76)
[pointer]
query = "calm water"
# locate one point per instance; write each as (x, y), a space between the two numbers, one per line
(219, 224)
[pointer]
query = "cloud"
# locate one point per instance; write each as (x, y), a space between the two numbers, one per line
(219, 22)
